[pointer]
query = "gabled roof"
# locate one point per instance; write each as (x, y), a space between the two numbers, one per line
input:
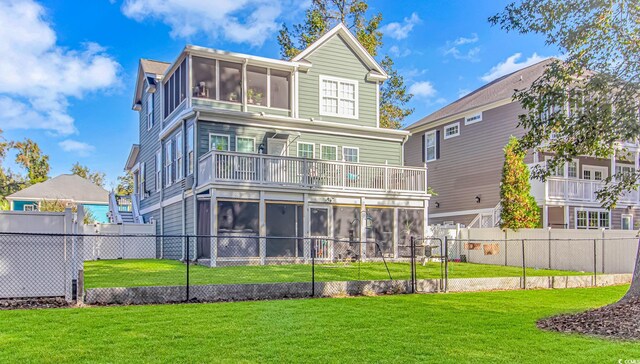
(353, 43)
(148, 70)
(133, 157)
(497, 90)
(69, 187)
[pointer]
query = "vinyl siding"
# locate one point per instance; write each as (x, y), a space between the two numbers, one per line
(470, 164)
(336, 59)
(149, 145)
(173, 223)
(370, 151)
(176, 187)
(189, 216)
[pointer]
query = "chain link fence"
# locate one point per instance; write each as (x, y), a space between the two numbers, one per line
(146, 269)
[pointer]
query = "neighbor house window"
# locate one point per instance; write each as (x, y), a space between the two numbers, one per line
(572, 169)
(306, 150)
(150, 120)
(204, 77)
(350, 154)
(30, 207)
(245, 145)
(179, 159)
(452, 130)
(175, 89)
(592, 219)
(230, 81)
(190, 155)
(168, 162)
(430, 146)
(625, 169)
(338, 97)
(472, 119)
(219, 142)
(329, 152)
(627, 222)
(158, 170)
(256, 86)
(558, 171)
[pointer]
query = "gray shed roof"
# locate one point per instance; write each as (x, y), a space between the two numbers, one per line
(499, 89)
(64, 187)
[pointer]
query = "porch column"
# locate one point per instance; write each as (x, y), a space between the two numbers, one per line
(637, 168)
(262, 227)
(363, 229)
(213, 217)
(613, 163)
(545, 216)
(306, 227)
(425, 224)
(396, 229)
(567, 225)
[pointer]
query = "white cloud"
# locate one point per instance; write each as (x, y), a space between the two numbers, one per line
(81, 148)
(423, 89)
(397, 52)
(37, 77)
(456, 48)
(401, 30)
(241, 21)
(510, 65)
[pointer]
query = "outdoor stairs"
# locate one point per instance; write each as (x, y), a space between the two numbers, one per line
(127, 217)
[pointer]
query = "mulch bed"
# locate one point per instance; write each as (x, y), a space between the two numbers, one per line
(616, 321)
(31, 303)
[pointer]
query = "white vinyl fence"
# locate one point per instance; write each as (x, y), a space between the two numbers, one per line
(601, 251)
(112, 241)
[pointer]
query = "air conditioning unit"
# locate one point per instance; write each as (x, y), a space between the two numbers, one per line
(187, 183)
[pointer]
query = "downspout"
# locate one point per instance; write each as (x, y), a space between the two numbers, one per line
(404, 140)
(183, 206)
(196, 156)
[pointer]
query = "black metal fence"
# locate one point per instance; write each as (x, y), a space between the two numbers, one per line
(141, 269)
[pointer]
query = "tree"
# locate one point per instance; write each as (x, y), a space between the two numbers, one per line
(60, 206)
(324, 14)
(519, 208)
(125, 184)
(598, 79)
(84, 172)
(10, 182)
(31, 158)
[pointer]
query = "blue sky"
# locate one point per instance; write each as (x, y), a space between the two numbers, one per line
(68, 82)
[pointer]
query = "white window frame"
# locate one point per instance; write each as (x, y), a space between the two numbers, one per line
(142, 180)
(190, 150)
(348, 147)
(435, 146)
(628, 166)
(592, 169)
(329, 146)
(587, 210)
(29, 207)
(248, 138)
(150, 111)
(313, 149)
(158, 170)
(168, 162)
(339, 81)
(630, 216)
(564, 169)
(220, 135)
(452, 126)
(472, 119)
(179, 156)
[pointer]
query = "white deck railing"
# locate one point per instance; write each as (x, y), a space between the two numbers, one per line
(292, 172)
(579, 190)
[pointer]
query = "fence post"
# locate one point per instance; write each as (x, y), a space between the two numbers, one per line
(187, 259)
(524, 268)
(446, 263)
(595, 262)
(313, 269)
(413, 256)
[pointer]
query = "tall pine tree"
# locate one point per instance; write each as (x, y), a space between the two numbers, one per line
(519, 208)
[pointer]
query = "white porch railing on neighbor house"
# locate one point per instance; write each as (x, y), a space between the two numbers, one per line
(579, 190)
(293, 172)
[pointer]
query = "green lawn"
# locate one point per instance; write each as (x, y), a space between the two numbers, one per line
(133, 273)
(496, 327)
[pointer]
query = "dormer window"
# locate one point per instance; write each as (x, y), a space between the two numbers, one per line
(338, 97)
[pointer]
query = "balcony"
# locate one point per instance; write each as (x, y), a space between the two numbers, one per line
(558, 189)
(234, 168)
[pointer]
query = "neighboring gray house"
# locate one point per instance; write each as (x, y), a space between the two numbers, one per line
(68, 188)
(463, 143)
(239, 145)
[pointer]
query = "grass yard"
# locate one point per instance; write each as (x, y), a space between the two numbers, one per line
(154, 272)
(496, 327)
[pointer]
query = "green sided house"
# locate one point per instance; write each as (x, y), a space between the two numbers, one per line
(239, 145)
(69, 188)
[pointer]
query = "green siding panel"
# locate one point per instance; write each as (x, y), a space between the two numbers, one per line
(371, 151)
(336, 59)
